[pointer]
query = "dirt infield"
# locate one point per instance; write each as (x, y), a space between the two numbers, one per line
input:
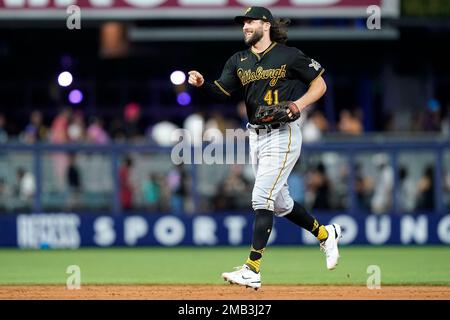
(224, 292)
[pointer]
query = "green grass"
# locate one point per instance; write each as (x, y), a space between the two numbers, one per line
(281, 265)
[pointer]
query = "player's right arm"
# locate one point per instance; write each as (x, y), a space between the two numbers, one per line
(222, 88)
(196, 79)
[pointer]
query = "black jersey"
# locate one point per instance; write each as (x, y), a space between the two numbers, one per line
(269, 77)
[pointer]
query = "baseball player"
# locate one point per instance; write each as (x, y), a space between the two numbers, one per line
(271, 72)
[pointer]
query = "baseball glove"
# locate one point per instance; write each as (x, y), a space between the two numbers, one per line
(277, 113)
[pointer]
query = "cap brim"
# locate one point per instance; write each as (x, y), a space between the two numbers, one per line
(240, 19)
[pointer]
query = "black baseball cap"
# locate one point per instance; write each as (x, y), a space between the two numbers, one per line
(255, 13)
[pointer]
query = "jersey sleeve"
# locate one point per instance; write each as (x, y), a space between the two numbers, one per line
(305, 68)
(228, 81)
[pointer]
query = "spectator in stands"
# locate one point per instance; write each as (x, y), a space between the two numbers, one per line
(73, 182)
(296, 182)
(314, 127)
(125, 184)
(406, 197)
(96, 133)
(431, 118)
(446, 187)
(4, 194)
(381, 200)
(151, 192)
(320, 187)
(164, 194)
(25, 185)
(3, 132)
(77, 128)
(35, 131)
(233, 189)
(388, 122)
(179, 183)
(363, 188)
(350, 123)
(339, 199)
(445, 123)
(60, 126)
(425, 188)
(133, 124)
(59, 135)
(117, 131)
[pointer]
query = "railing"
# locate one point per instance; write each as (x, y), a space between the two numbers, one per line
(350, 149)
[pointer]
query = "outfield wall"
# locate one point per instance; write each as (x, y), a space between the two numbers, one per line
(69, 230)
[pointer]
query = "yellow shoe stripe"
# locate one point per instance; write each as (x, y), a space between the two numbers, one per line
(323, 233)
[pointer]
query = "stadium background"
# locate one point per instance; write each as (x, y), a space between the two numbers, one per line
(85, 158)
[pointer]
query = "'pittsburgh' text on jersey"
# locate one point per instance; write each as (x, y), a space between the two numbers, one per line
(277, 74)
(248, 76)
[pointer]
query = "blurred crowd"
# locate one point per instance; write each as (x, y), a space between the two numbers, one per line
(72, 126)
(319, 187)
(318, 184)
(327, 188)
(75, 126)
(157, 192)
(432, 119)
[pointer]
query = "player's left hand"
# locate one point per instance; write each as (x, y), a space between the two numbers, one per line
(282, 112)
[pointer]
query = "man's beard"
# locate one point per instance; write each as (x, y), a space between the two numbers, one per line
(254, 38)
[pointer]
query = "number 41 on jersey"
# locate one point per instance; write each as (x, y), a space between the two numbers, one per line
(271, 97)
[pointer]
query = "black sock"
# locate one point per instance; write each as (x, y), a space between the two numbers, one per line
(262, 227)
(302, 218)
